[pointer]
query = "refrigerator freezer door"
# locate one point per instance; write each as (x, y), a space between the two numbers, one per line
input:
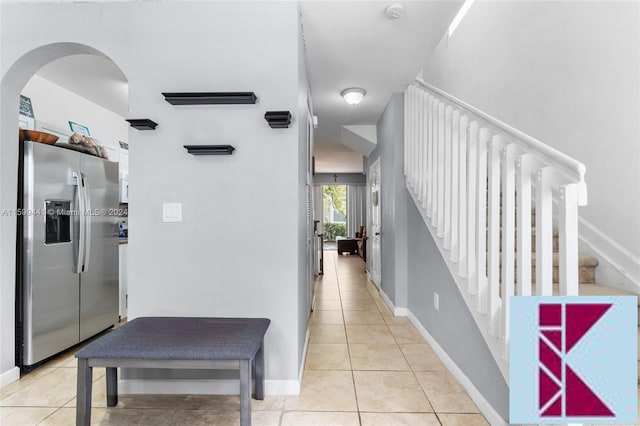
(50, 242)
(99, 281)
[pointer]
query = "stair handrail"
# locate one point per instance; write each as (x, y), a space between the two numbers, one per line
(575, 168)
(475, 181)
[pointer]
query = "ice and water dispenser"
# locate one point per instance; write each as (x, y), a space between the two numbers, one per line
(57, 221)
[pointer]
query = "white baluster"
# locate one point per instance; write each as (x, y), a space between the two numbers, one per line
(409, 133)
(441, 170)
(462, 207)
(419, 133)
(411, 118)
(436, 164)
(447, 177)
(494, 146)
(430, 164)
(523, 174)
(472, 162)
(544, 233)
(455, 189)
(425, 150)
(412, 137)
(509, 154)
(436, 169)
(568, 235)
(406, 130)
(481, 220)
(416, 140)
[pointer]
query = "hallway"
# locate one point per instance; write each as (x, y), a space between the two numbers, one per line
(363, 367)
(366, 367)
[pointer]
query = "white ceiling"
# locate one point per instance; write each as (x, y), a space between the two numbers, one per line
(93, 77)
(348, 43)
(353, 44)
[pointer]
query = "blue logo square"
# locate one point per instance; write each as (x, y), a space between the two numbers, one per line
(573, 359)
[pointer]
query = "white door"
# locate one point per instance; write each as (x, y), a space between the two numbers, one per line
(374, 234)
(310, 201)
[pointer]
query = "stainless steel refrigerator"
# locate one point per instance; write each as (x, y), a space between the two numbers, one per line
(68, 259)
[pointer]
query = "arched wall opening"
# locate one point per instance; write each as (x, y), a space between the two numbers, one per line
(12, 84)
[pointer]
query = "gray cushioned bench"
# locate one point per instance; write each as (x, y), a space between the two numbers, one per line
(175, 342)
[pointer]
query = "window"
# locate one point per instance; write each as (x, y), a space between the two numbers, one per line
(334, 211)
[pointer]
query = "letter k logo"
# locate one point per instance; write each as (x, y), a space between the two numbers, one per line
(562, 393)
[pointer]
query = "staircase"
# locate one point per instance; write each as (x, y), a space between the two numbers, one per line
(460, 161)
(586, 264)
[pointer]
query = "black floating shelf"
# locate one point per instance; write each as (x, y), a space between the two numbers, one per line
(209, 98)
(210, 149)
(278, 119)
(142, 124)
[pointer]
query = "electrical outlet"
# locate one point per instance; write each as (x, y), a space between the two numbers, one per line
(172, 212)
(436, 301)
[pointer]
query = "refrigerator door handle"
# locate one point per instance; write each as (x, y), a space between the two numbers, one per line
(81, 212)
(88, 223)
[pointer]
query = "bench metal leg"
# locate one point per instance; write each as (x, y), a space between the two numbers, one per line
(112, 386)
(258, 371)
(245, 392)
(83, 393)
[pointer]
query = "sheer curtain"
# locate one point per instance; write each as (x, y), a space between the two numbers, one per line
(317, 206)
(356, 209)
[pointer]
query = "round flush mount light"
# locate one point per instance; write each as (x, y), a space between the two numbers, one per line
(353, 95)
(394, 11)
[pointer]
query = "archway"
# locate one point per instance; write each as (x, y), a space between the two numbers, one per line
(12, 83)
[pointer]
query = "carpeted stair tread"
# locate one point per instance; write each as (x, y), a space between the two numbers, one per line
(602, 290)
(586, 268)
(583, 261)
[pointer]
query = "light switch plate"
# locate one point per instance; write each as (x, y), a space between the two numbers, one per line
(172, 212)
(436, 301)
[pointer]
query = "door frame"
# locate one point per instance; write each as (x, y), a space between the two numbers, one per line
(374, 257)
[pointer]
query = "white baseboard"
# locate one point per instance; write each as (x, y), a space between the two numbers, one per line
(302, 364)
(483, 405)
(399, 312)
(203, 387)
(282, 387)
(370, 278)
(618, 267)
(9, 376)
(211, 387)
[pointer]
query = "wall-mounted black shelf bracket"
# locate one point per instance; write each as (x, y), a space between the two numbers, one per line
(210, 149)
(210, 98)
(278, 119)
(142, 123)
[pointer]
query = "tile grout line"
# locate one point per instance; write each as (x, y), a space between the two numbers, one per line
(353, 378)
(407, 361)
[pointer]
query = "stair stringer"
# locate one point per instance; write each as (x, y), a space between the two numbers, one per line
(495, 344)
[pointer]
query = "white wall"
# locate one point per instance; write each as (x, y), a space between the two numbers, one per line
(232, 254)
(567, 73)
(55, 105)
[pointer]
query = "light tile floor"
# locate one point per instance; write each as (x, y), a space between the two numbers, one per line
(363, 367)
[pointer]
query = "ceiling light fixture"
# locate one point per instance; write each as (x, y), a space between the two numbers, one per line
(353, 95)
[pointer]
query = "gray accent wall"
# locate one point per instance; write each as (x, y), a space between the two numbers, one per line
(453, 326)
(341, 179)
(393, 200)
(413, 269)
